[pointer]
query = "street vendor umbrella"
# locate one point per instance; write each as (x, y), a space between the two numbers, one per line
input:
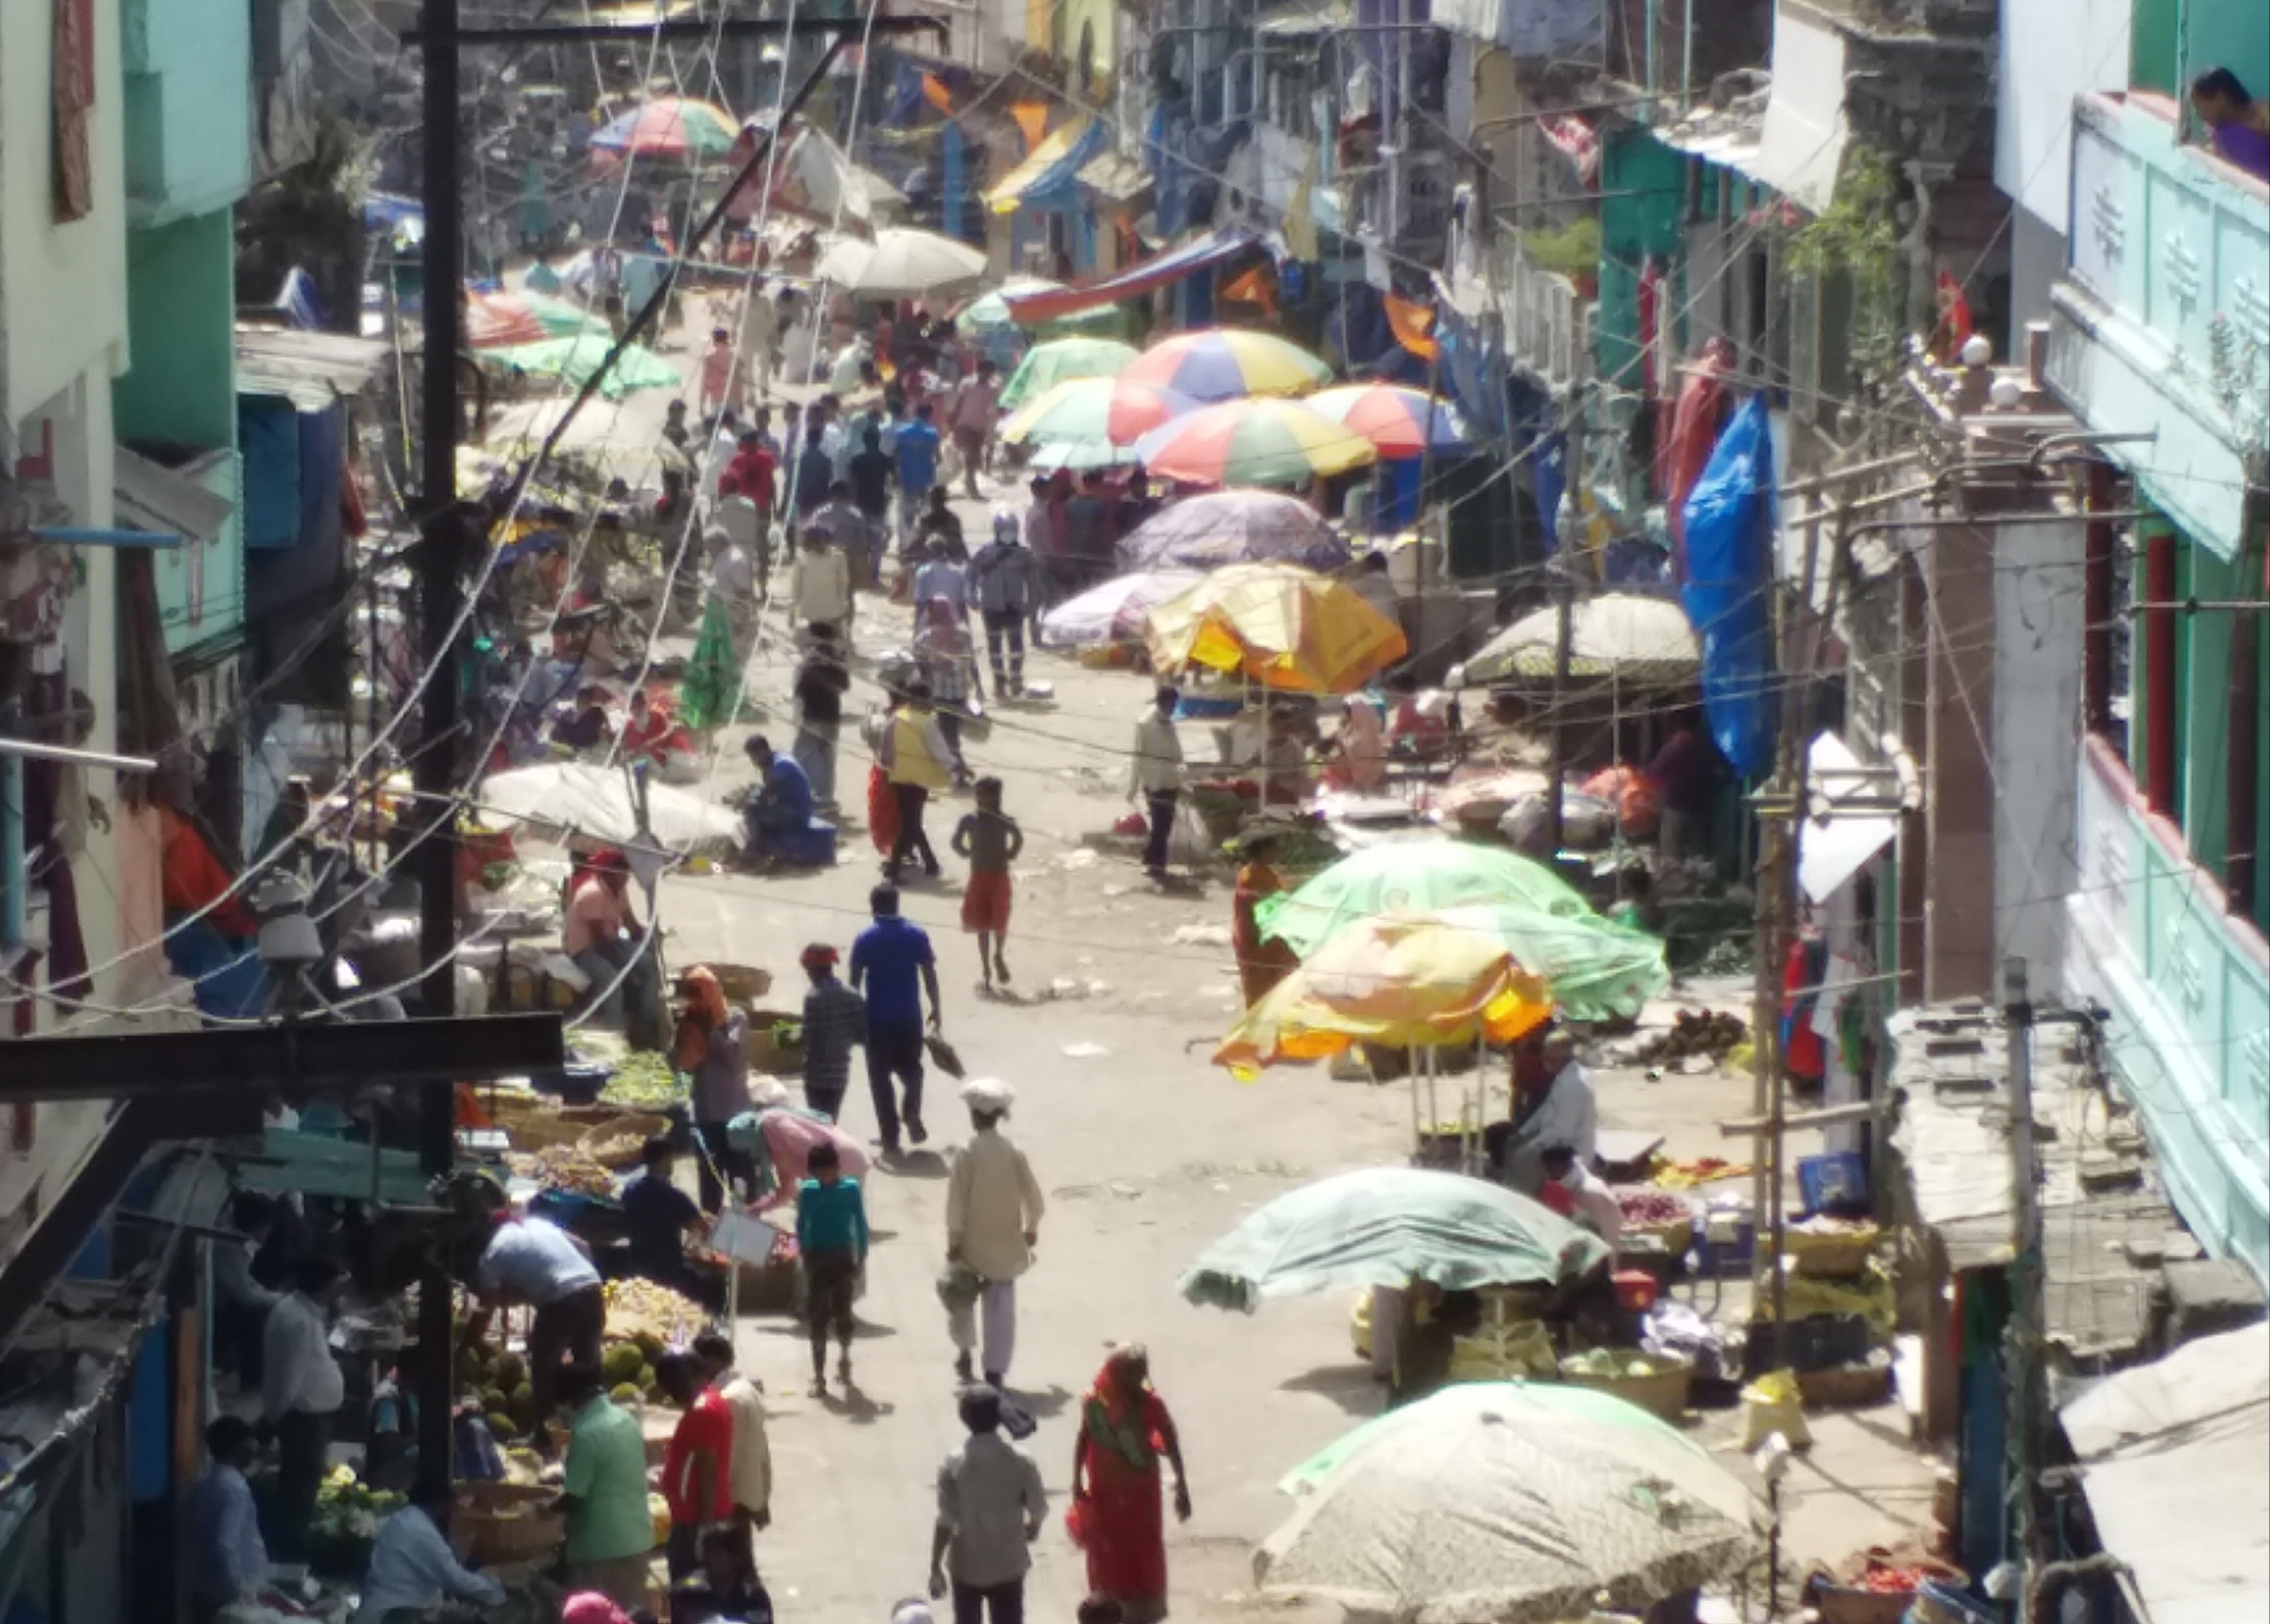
(1221, 363)
(1090, 422)
(1278, 624)
(526, 317)
(989, 313)
(1406, 877)
(901, 262)
(1259, 441)
(1233, 527)
(1639, 641)
(1112, 612)
(1510, 1502)
(675, 128)
(1403, 422)
(1401, 983)
(572, 361)
(1595, 970)
(1389, 1226)
(1061, 360)
(578, 797)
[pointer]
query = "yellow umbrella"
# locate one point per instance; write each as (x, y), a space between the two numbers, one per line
(1400, 982)
(1281, 626)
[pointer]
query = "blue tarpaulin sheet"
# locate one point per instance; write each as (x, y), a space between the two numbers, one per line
(1729, 530)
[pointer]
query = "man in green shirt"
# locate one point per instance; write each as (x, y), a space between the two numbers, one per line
(610, 1534)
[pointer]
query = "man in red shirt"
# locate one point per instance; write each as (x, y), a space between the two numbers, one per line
(755, 472)
(697, 1471)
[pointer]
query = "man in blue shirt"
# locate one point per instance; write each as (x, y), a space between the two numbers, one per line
(916, 449)
(892, 964)
(778, 812)
(227, 1561)
(659, 1219)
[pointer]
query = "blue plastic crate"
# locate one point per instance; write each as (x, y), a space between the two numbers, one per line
(1836, 1185)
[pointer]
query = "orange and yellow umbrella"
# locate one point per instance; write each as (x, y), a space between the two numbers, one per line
(1400, 982)
(1279, 624)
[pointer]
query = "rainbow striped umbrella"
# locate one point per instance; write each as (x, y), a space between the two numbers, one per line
(1084, 421)
(1221, 363)
(1267, 442)
(1403, 422)
(671, 127)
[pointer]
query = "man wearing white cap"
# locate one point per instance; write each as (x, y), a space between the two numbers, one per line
(993, 1208)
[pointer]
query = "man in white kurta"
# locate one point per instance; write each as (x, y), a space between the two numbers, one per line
(993, 1208)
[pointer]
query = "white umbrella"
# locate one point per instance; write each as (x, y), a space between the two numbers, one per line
(578, 797)
(901, 262)
(1512, 1504)
(1112, 612)
(1642, 641)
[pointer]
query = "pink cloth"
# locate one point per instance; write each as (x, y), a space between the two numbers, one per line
(592, 1607)
(789, 1139)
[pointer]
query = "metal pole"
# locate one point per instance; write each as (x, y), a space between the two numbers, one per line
(2022, 1339)
(440, 596)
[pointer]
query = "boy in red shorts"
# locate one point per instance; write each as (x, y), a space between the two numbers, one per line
(991, 839)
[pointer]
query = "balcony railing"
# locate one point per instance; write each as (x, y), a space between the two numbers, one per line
(1548, 323)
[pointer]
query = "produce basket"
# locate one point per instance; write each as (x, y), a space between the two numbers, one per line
(621, 1143)
(538, 1128)
(1831, 1254)
(1880, 1593)
(1657, 1383)
(1848, 1386)
(775, 1046)
(509, 1522)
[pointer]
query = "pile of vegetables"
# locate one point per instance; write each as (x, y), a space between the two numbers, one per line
(500, 1381)
(628, 1367)
(645, 1082)
(1705, 1034)
(563, 1167)
(644, 1312)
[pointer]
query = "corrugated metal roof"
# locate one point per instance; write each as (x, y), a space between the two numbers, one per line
(2171, 1458)
(2105, 1217)
(147, 495)
(309, 369)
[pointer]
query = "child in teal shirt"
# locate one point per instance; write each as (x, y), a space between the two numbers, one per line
(831, 1234)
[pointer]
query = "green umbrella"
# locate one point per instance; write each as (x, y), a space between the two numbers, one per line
(574, 360)
(1389, 1226)
(1410, 877)
(1058, 361)
(1597, 971)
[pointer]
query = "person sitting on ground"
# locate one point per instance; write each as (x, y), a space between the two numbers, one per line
(413, 1569)
(776, 819)
(601, 935)
(653, 733)
(587, 725)
(1575, 1191)
(2237, 124)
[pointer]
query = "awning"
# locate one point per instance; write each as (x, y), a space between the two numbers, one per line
(1832, 849)
(2171, 1457)
(148, 496)
(1049, 168)
(1199, 254)
(1115, 178)
(309, 369)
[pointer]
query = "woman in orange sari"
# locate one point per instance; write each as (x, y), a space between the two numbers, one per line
(1115, 1516)
(1261, 964)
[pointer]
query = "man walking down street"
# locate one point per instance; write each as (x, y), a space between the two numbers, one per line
(975, 406)
(914, 447)
(301, 1392)
(993, 1208)
(1005, 577)
(835, 1022)
(1155, 772)
(990, 1505)
(892, 963)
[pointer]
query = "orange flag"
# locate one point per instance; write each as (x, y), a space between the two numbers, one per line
(935, 93)
(1032, 118)
(1257, 286)
(1412, 325)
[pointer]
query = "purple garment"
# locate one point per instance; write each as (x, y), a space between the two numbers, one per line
(2245, 147)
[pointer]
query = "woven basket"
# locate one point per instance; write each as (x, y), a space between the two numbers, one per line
(621, 1143)
(540, 1130)
(1662, 1394)
(509, 1522)
(1844, 1387)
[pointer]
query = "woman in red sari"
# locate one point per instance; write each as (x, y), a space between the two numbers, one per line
(1115, 1513)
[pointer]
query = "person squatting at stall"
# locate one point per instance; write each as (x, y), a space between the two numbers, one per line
(659, 1218)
